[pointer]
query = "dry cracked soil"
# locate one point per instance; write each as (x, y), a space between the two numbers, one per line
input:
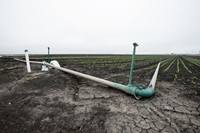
(58, 102)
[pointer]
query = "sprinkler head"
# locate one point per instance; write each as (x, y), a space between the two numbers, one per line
(135, 44)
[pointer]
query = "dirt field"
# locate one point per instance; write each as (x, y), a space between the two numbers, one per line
(58, 102)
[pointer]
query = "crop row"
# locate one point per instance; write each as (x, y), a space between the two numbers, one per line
(111, 59)
(195, 61)
(123, 62)
(180, 69)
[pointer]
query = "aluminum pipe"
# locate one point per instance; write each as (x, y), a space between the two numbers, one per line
(134, 89)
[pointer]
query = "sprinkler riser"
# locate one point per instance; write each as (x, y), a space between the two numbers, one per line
(132, 64)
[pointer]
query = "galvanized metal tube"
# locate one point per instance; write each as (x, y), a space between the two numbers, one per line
(99, 80)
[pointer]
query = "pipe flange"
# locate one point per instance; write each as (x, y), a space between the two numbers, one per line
(136, 97)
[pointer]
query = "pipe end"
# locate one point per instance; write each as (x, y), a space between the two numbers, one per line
(135, 44)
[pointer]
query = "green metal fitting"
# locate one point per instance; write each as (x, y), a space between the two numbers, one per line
(145, 92)
(136, 90)
(48, 54)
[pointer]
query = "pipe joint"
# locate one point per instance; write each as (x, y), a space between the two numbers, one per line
(135, 44)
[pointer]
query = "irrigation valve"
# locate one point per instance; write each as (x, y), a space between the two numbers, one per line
(44, 66)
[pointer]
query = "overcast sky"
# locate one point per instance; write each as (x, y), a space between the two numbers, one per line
(99, 26)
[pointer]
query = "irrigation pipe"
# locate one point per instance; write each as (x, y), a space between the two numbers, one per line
(134, 89)
(35, 62)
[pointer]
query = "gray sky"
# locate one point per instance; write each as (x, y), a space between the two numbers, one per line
(99, 26)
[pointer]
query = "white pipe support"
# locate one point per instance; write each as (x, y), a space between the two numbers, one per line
(27, 61)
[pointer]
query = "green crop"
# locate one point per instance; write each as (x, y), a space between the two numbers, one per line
(185, 66)
(178, 69)
(170, 65)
